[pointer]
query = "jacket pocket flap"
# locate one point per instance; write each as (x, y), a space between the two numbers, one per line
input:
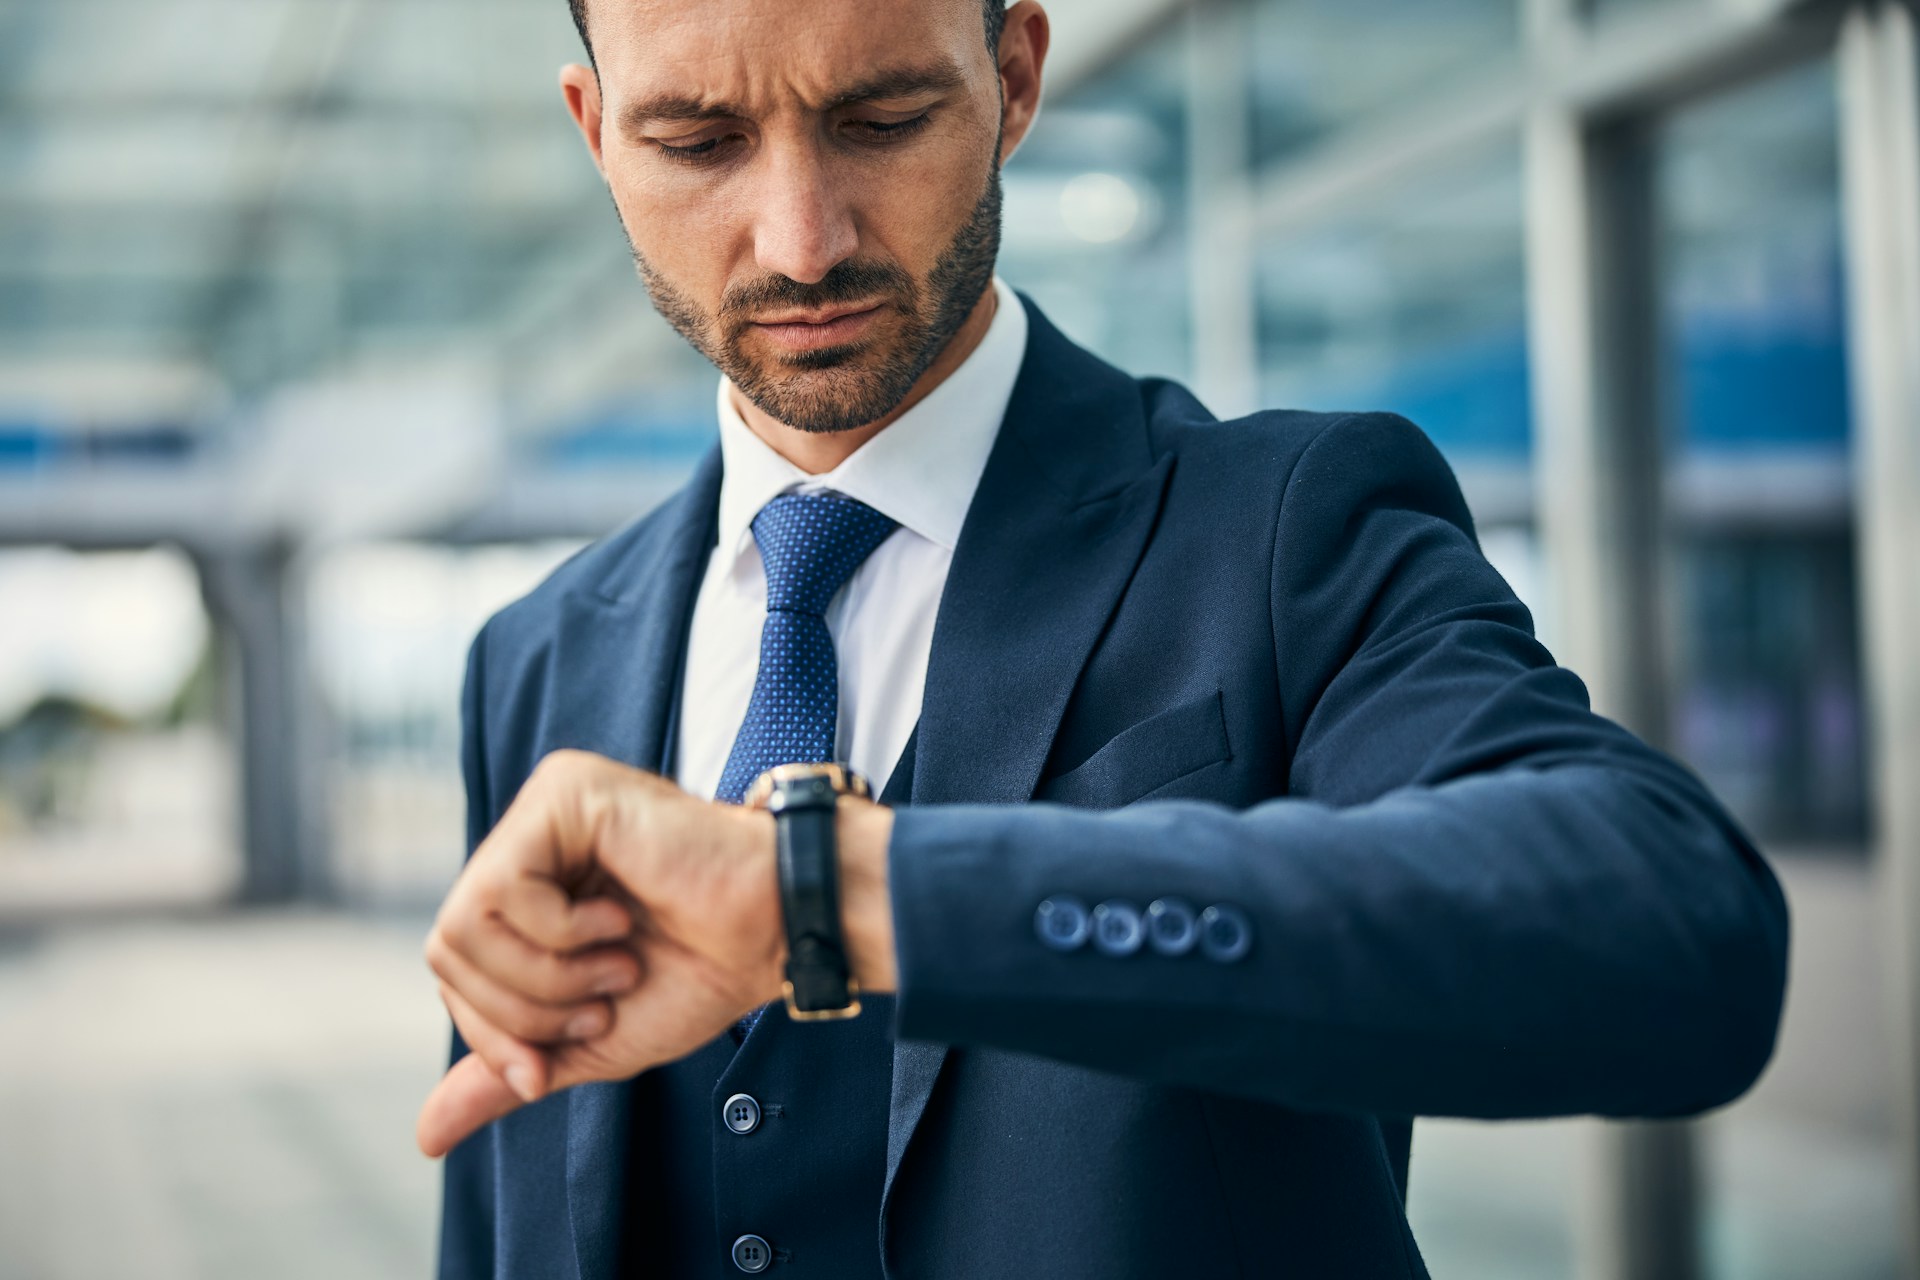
(1144, 757)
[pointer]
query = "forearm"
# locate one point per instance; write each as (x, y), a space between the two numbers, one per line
(1531, 942)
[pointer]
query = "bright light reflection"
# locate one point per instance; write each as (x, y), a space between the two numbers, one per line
(115, 630)
(1100, 208)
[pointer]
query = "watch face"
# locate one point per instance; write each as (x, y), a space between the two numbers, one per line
(841, 778)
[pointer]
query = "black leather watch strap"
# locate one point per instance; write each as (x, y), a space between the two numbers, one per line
(819, 979)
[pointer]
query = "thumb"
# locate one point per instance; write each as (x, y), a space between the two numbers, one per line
(469, 1096)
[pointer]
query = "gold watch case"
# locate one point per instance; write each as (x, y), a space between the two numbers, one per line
(843, 780)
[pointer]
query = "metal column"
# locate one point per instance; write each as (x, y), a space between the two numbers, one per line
(1880, 170)
(255, 599)
(1592, 335)
(1222, 268)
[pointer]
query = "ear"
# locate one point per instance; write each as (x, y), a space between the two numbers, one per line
(580, 86)
(1023, 51)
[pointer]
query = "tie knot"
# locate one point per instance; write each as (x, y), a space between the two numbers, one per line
(811, 543)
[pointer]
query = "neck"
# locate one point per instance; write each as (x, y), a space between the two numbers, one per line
(815, 452)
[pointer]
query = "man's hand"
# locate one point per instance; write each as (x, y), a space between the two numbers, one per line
(613, 922)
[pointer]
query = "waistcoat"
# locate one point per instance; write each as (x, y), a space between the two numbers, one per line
(807, 1174)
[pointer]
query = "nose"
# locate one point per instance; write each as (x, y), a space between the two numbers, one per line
(802, 225)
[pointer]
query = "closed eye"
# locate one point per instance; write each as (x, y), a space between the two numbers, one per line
(882, 130)
(876, 131)
(693, 154)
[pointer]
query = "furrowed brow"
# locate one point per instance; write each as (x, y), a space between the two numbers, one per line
(673, 108)
(900, 82)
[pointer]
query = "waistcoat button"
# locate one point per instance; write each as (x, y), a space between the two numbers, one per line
(741, 1113)
(752, 1254)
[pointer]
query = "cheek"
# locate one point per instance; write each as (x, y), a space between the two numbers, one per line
(686, 235)
(911, 211)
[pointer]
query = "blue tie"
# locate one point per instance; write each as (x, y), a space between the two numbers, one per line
(810, 543)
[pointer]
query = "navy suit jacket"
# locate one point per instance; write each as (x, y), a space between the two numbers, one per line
(1260, 663)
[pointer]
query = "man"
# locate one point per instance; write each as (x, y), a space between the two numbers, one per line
(1323, 839)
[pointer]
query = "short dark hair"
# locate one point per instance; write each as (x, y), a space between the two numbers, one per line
(995, 13)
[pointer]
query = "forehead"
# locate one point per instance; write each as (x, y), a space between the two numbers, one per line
(769, 54)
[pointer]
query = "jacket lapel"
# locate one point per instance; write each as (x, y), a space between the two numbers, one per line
(1058, 523)
(619, 651)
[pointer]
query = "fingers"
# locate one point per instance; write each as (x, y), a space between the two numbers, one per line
(468, 1096)
(464, 941)
(544, 913)
(513, 1012)
(499, 1074)
(521, 1067)
(476, 1091)
(558, 825)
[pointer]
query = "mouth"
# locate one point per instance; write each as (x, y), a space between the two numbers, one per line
(812, 330)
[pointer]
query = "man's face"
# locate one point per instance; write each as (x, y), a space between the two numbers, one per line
(780, 163)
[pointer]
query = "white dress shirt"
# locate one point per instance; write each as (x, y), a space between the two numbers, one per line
(921, 470)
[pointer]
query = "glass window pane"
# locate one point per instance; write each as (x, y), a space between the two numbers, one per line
(1320, 65)
(391, 625)
(1606, 12)
(1750, 224)
(1095, 215)
(1417, 306)
(1770, 688)
(1768, 695)
(116, 767)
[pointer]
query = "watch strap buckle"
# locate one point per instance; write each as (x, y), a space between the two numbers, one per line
(794, 1011)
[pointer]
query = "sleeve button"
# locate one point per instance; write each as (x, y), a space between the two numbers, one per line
(1172, 927)
(1117, 930)
(1225, 933)
(1061, 923)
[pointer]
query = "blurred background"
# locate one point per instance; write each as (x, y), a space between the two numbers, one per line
(318, 342)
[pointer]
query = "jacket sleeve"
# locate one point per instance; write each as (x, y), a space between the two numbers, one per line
(1475, 898)
(466, 1204)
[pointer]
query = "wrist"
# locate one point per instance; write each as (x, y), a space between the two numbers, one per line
(862, 830)
(759, 887)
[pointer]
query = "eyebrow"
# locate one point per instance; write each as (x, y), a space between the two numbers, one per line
(898, 82)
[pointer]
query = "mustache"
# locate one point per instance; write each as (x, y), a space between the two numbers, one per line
(849, 281)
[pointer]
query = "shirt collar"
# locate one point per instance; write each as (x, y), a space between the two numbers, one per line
(920, 470)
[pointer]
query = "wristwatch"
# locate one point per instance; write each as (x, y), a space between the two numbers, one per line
(802, 799)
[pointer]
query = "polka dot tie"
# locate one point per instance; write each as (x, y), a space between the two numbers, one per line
(810, 543)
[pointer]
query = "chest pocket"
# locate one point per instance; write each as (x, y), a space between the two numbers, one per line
(1146, 757)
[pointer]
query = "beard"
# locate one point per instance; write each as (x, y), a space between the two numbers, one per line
(843, 387)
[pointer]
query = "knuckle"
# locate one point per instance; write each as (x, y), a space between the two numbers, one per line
(531, 1022)
(494, 1055)
(558, 764)
(573, 934)
(558, 979)
(480, 891)
(452, 924)
(541, 928)
(435, 952)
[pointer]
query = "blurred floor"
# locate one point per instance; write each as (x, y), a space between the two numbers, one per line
(224, 1096)
(232, 1095)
